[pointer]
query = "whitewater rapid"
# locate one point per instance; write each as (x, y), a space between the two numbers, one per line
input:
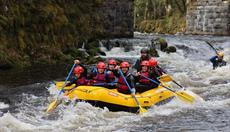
(189, 66)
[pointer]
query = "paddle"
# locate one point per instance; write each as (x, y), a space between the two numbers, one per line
(53, 105)
(212, 47)
(168, 78)
(142, 110)
(165, 78)
(182, 95)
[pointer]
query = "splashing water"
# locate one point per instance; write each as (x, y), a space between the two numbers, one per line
(189, 66)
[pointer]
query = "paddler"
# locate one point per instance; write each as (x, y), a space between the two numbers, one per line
(218, 60)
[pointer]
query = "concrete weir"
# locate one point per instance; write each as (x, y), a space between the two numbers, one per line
(208, 17)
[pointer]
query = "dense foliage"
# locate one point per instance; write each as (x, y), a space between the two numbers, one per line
(163, 16)
(38, 31)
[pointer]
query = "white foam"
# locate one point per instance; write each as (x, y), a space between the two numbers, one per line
(3, 105)
(10, 123)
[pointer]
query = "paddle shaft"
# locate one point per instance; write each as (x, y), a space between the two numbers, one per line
(211, 46)
(177, 84)
(185, 96)
(67, 79)
(158, 83)
(54, 103)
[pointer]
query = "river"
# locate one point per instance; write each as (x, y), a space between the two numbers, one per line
(24, 94)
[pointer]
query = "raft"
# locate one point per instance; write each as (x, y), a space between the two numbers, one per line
(115, 101)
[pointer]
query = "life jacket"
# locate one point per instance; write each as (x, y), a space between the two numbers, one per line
(100, 78)
(121, 85)
(143, 80)
(111, 76)
(81, 81)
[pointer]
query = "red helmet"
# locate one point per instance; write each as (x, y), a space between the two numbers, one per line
(153, 62)
(101, 65)
(78, 70)
(112, 62)
(145, 63)
(124, 64)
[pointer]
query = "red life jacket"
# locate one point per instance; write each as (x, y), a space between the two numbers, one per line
(99, 78)
(81, 81)
(144, 80)
(121, 84)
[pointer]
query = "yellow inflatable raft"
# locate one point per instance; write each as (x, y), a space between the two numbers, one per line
(114, 100)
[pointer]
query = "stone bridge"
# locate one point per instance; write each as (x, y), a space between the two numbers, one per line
(203, 17)
(208, 17)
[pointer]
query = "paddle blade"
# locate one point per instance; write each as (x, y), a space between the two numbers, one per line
(185, 97)
(52, 106)
(165, 78)
(142, 110)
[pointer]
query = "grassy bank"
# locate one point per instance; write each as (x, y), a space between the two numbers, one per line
(168, 25)
(160, 16)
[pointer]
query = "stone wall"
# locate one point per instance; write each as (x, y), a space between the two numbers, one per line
(118, 17)
(208, 17)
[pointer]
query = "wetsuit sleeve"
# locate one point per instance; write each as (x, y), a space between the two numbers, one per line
(116, 73)
(160, 69)
(213, 59)
(132, 81)
(152, 76)
(137, 65)
(136, 78)
(92, 73)
(72, 81)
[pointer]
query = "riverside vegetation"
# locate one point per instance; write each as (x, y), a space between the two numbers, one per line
(51, 32)
(47, 32)
(161, 16)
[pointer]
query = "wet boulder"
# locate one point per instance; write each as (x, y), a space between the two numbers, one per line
(170, 49)
(127, 46)
(102, 53)
(159, 43)
(108, 45)
(93, 60)
(153, 52)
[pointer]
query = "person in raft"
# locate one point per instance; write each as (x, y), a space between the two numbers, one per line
(112, 69)
(218, 60)
(101, 78)
(144, 84)
(144, 56)
(155, 68)
(79, 78)
(121, 85)
(112, 72)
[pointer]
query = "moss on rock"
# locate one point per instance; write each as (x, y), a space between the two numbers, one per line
(48, 32)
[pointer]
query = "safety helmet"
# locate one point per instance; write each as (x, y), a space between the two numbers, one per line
(78, 70)
(221, 54)
(112, 62)
(124, 64)
(145, 63)
(145, 50)
(101, 65)
(153, 62)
